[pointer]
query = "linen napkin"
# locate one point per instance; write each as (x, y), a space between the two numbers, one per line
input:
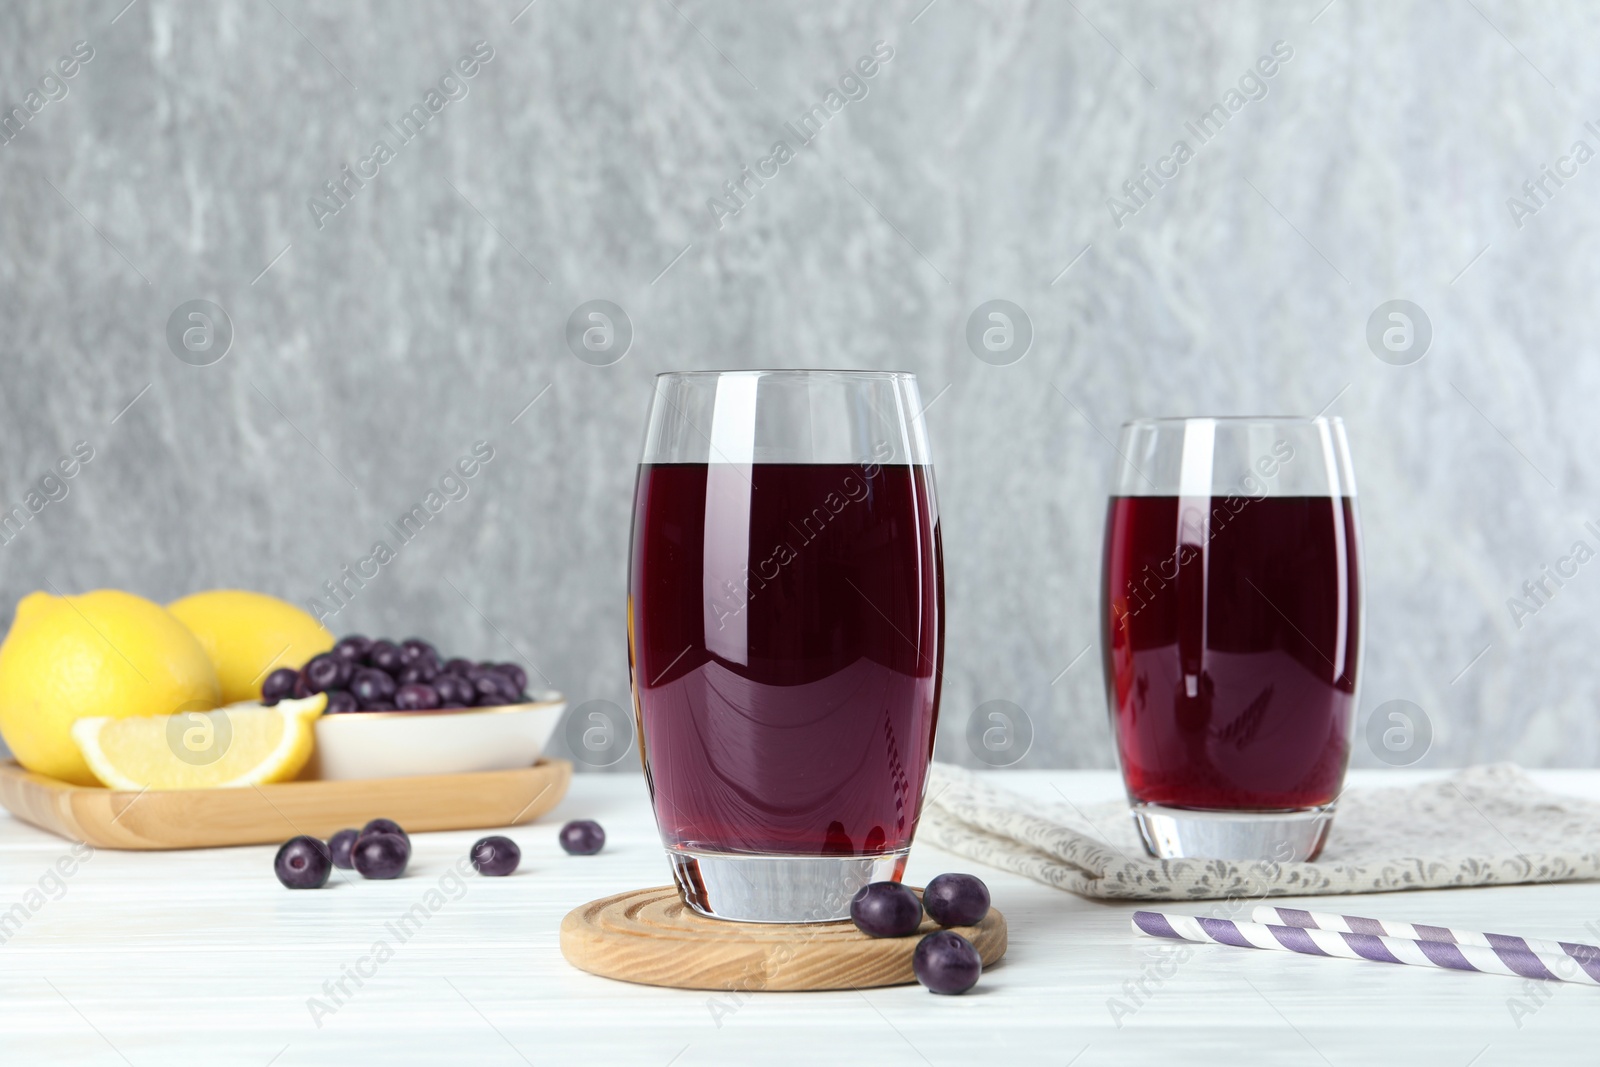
(1486, 825)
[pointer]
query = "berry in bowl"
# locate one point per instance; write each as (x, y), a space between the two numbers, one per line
(395, 709)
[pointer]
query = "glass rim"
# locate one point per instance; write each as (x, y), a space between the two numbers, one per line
(794, 372)
(1180, 420)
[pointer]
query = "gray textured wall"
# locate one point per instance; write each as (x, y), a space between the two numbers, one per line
(431, 309)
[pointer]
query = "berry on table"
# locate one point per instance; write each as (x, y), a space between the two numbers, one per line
(340, 845)
(495, 856)
(303, 863)
(582, 837)
(381, 855)
(946, 962)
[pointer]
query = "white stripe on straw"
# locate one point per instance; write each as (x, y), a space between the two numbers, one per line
(1588, 956)
(1514, 963)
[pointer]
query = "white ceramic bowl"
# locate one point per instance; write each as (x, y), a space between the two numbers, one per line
(394, 744)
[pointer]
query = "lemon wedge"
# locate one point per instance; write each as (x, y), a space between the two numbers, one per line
(238, 745)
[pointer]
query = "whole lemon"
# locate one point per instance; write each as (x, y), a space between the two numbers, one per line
(103, 653)
(250, 635)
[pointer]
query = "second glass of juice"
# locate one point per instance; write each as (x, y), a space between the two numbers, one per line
(1231, 625)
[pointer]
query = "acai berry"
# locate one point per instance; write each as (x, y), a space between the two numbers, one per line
(495, 856)
(886, 909)
(956, 900)
(303, 863)
(582, 837)
(946, 962)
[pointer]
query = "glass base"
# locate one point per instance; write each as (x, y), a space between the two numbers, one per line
(1188, 833)
(778, 889)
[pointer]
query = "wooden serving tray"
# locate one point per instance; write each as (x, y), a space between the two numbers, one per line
(652, 937)
(268, 814)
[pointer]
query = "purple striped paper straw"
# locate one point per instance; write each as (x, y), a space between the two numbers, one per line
(1586, 956)
(1514, 963)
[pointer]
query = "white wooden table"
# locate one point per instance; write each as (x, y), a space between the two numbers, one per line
(202, 958)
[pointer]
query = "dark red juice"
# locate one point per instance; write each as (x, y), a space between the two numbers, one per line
(785, 636)
(1231, 638)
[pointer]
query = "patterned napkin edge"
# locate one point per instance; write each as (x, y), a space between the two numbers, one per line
(980, 821)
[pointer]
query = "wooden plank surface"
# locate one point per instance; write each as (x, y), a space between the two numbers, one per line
(204, 818)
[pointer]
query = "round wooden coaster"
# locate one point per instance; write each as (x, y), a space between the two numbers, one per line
(652, 937)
